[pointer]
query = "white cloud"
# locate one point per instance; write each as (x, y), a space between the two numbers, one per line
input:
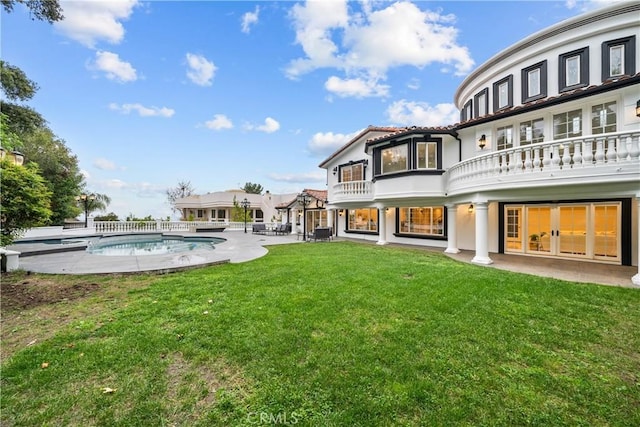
(219, 122)
(114, 68)
(357, 88)
(319, 176)
(90, 21)
(115, 184)
(270, 125)
(414, 84)
(368, 43)
(201, 70)
(142, 110)
(323, 144)
(405, 112)
(249, 19)
(104, 164)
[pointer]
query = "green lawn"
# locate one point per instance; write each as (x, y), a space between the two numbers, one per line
(324, 334)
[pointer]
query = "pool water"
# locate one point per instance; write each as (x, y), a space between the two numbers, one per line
(140, 245)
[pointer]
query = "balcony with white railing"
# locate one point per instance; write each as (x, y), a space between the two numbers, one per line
(352, 191)
(612, 157)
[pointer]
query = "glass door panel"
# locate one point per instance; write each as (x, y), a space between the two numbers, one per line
(572, 230)
(606, 230)
(513, 229)
(539, 229)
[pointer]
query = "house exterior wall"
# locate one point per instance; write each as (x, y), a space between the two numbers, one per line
(586, 168)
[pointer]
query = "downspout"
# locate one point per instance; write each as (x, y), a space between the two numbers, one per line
(455, 135)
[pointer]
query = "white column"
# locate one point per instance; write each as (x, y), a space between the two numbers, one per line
(330, 219)
(452, 230)
(636, 279)
(482, 234)
(382, 226)
(293, 219)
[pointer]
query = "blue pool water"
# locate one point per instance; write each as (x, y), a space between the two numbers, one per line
(156, 244)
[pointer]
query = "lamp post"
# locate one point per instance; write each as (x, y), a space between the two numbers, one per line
(304, 199)
(86, 198)
(245, 204)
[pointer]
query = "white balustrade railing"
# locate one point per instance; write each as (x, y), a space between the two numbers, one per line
(353, 190)
(160, 226)
(587, 153)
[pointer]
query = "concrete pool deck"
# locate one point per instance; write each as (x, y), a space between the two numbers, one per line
(73, 259)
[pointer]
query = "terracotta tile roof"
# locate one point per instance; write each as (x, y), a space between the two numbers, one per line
(359, 136)
(317, 194)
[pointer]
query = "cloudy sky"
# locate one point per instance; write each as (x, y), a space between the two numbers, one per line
(220, 93)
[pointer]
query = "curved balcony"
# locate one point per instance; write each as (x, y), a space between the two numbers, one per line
(596, 158)
(353, 191)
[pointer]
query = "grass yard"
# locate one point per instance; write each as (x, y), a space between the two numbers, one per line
(327, 334)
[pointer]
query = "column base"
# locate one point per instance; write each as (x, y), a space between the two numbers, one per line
(482, 260)
(382, 242)
(636, 280)
(452, 251)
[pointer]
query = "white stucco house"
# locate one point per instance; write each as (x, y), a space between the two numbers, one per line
(544, 162)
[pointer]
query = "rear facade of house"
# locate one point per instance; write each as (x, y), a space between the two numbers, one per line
(544, 161)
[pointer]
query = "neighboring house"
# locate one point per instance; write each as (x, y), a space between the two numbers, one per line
(218, 206)
(544, 161)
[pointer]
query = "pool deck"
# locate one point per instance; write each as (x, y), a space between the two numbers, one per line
(241, 247)
(73, 259)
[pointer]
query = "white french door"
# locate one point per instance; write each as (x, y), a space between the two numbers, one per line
(580, 230)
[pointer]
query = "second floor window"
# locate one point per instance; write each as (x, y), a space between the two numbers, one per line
(574, 70)
(427, 155)
(504, 137)
(352, 172)
(394, 159)
(531, 132)
(603, 118)
(567, 125)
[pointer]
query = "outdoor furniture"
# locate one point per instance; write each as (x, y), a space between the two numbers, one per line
(321, 233)
(283, 229)
(259, 228)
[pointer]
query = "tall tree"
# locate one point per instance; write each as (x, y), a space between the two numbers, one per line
(24, 199)
(44, 10)
(182, 190)
(16, 86)
(59, 167)
(96, 202)
(251, 188)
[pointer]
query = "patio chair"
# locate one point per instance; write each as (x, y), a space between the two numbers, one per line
(321, 233)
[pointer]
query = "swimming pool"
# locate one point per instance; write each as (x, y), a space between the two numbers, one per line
(149, 244)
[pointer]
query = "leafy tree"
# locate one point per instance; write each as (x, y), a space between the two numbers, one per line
(237, 213)
(132, 217)
(15, 83)
(24, 200)
(251, 188)
(44, 10)
(96, 202)
(16, 86)
(108, 217)
(182, 190)
(59, 167)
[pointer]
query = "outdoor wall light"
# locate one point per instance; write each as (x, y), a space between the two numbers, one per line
(335, 170)
(482, 142)
(471, 208)
(638, 108)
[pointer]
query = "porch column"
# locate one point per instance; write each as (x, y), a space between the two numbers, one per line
(382, 226)
(482, 234)
(293, 219)
(636, 279)
(330, 220)
(452, 229)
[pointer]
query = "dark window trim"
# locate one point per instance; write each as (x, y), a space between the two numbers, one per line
(445, 217)
(368, 232)
(476, 99)
(629, 56)
(496, 93)
(412, 153)
(584, 69)
(468, 106)
(542, 66)
(364, 162)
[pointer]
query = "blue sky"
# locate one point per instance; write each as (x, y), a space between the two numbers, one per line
(150, 93)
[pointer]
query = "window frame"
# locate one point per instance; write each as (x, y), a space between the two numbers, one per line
(369, 229)
(527, 96)
(467, 111)
(583, 54)
(505, 146)
(568, 122)
(476, 103)
(405, 145)
(427, 144)
(532, 124)
(440, 225)
(341, 168)
(603, 128)
(496, 93)
(629, 59)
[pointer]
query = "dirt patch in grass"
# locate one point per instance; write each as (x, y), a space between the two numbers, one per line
(35, 307)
